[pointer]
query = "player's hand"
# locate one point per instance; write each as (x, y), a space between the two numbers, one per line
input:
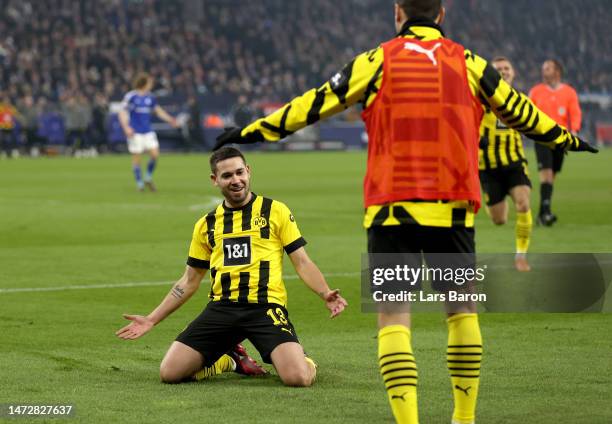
(129, 132)
(334, 302)
(138, 327)
(583, 146)
(174, 123)
(573, 143)
(233, 135)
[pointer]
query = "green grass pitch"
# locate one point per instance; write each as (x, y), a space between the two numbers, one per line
(67, 222)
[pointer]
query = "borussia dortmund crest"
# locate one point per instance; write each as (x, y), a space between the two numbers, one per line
(260, 222)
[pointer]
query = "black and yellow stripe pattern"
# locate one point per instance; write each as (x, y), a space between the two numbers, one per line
(360, 80)
(464, 360)
(464, 357)
(224, 364)
(399, 372)
(500, 146)
(398, 369)
(430, 214)
(464, 367)
(514, 108)
(243, 248)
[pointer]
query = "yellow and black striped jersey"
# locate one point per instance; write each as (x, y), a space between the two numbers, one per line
(360, 80)
(243, 248)
(500, 146)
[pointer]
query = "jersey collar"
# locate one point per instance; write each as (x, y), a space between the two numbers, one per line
(422, 29)
(227, 208)
(554, 90)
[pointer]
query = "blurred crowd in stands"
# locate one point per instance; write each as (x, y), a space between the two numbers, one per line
(74, 57)
(529, 32)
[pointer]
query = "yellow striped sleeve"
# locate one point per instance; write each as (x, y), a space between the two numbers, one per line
(357, 82)
(199, 249)
(512, 107)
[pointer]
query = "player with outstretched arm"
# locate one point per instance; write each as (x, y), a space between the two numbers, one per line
(241, 242)
(422, 96)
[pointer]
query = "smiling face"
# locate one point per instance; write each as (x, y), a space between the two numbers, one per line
(233, 177)
(504, 67)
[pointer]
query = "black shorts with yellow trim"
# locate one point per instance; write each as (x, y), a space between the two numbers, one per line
(497, 182)
(224, 324)
(416, 245)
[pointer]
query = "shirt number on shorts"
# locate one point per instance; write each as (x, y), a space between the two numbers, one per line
(237, 251)
(278, 316)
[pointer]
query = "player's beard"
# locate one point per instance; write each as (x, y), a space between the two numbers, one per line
(234, 198)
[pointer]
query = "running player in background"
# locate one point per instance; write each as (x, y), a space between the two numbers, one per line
(503, 171)
(138, 107)
(560, 102)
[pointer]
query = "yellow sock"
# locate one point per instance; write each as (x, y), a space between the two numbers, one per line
(524, 224)
(224, 364)
(399, 372)
(463, 357)
(313, 364)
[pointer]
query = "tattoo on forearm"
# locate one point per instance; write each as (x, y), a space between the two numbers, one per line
(178, 292)
(322, 295)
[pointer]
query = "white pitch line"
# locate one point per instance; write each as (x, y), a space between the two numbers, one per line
(83, 287)
(141, 284)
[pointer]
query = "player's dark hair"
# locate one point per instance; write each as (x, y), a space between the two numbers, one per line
(501, 59)
(429, 9)
(222, 154)
(558, 66)
(141, 80)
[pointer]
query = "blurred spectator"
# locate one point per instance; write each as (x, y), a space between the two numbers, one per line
(243, 114)
(213, 120)
(99, 134)
(30, 115)
(8, 116)
(271, 49)
(77, 117)
(195, 135)
(85, 119)
(530, 32)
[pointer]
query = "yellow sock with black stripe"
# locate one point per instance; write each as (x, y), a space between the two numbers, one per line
(524, 225)
(463, 356)
(399, 372)
(224, 364)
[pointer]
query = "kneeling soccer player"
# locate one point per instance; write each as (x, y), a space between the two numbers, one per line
(503, 172)
(241, 241)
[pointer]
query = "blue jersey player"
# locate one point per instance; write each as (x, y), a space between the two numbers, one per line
(135, 117)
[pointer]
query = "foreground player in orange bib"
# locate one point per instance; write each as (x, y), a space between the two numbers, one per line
(422, 96)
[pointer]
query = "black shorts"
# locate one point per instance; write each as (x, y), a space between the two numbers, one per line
(222, 325)
(549, 159)
(437, 247)
(497, 183)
